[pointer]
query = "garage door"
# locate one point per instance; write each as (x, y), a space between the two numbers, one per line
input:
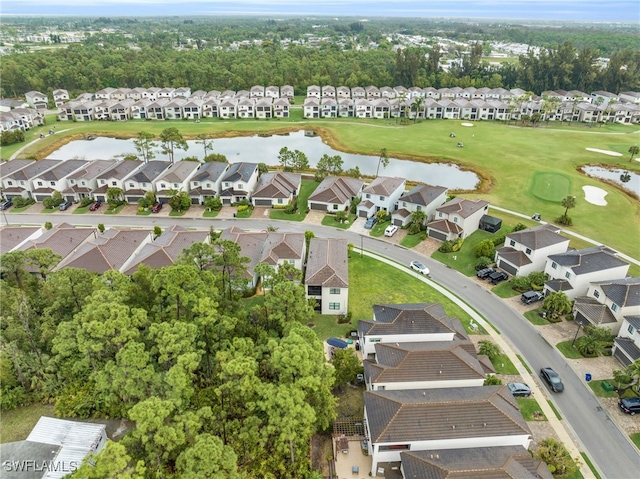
(318, 206)
(263, 202)
(620, 356)
(362, 214)
(437, 235)
(507, 267)
(226, 201)
(398, 223)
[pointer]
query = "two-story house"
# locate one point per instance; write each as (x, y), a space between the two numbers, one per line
(526, 251)
(573, 271)
(175, 178)
(607, 303)
(54, 179)
(457, 218)
(450, 418)
(205, 183)
(424, 198)
(311, 107)
(381, 194)
(276, 189)
(283, 248)
(626, 346)
(238, 182)
(423, 365)
(115, 177)
(36, 100)
(83, 182)
(142, 180)
(19, 182)
(412, 322)
(281, 108)
(335, 193)
(60, 97)
(327, 275)
(8, 182)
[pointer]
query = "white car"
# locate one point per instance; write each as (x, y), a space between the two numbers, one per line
(419, 267)
(390, 230)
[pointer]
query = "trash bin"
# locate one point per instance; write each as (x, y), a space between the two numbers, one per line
(587, 377)
(607, 386)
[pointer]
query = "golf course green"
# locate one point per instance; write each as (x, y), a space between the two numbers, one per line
(524, 169)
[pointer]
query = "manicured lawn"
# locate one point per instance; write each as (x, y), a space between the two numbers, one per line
(330, 220)
(596, 387)
(326, 326)
(589, 464)
(555, 411)
(177, 213)
(465, 259)
(80, 210)
(531, 410)
(534, 318)
(369, 282)
(378, 229)
(504, 290)
(21, 209)
(568, 351)
(17, 424)
(409, 241)
(210, 214)
(48, 211)
(635, 438)
(306, 188)
(524, 363)
(503, 365)
(511, 179)
(114, 211)
(146, 212)
(279, 214)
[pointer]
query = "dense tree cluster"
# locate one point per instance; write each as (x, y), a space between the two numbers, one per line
(173, 350)
(90, 68)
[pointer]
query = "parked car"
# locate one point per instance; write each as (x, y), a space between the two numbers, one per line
(6, 204)
(552, 379)
(65, 206)
(498, 276)
(95, 206)
(485, 272)
(531, 297)
(390, 230)
(519, 390)
(419, 267)
(157, 207)
(370, 222)
(630, 405)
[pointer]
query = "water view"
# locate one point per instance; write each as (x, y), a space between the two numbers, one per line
(615, 175)
(260, 149)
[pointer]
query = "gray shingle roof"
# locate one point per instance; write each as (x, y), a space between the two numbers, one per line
(150, 172)
(179, 171)
(462, 206)
(623, 292)
(277, 185)
(240, 171)
(538, 237)
(210, 171)
(327, 263)
(7, 168)
(412, 318)
(441, 414)
(423, 194)
(121, 170)
(384, 185)
(588, 260)
(35, 169)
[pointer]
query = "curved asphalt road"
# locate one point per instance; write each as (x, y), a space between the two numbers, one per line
(605, 444)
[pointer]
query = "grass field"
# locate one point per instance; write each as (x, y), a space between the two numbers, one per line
(596, 387)
(530, 409)
(511, 159)
(568, 351)
(17, 424)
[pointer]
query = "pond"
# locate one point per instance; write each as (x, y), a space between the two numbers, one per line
(614, 175)
(265, 149)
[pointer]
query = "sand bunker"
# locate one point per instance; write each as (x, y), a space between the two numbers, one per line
(466, 124)
(606, 152)
(594, 195)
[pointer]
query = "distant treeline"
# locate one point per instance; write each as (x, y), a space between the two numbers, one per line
(88, 68)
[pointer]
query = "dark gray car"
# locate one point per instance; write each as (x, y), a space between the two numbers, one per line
(531, 297)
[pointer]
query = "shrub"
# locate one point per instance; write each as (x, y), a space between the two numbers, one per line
(555, 455)
(48, 225)
(20, 202)
(13, 398)
(499, 240)
(457, 244)
(245, 207)
(486, 248)
(86, 201)
(521, 283)
(564, 220)
(492, 380)
(446, 247)
(519, 227)
(482, 262)
(489, 349)
(414, 228)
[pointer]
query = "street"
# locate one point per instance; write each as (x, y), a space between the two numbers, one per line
(605, 444)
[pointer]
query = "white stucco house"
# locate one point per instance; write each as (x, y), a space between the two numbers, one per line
(457, 218)
(326, 277)
(381, 194)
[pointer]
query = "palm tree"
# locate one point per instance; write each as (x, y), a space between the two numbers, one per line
(489, 349)
(633, 150)
(418, 102)
(568, 202)
(556, 304)
(383, 159)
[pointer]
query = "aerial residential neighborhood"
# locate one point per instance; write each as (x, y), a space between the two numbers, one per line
(331, 246)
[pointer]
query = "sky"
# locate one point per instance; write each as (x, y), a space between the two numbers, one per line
(577, 10)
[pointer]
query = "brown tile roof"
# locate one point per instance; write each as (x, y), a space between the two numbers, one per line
(337, 190)
(282, 246)
(250, 242)
(439, 414)
(424, 361)
(12, 236)
(179, 171)
(445, 226)
(62, 239)
(462, 206)
(423, 194)
(412, 318)
(327, 263)
(515, 257)
(498, 462)
(93, 169)
(277, 185)
(384, 185)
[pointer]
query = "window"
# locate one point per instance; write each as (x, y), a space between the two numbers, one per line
(176, 185)
(240, 186)
(368, 196)
(596, 293)
(382, 198)
(614, 307)
(21, 183)
(631, 329)
(39, 183)
(334, 306)
(440, 214)
(144, 185)
(279, 201)
(73, 182)
(374, 340)
(512, 243)
(404, 204)
(163, 186)
(418, 208)
(10, 183)
(567, 275)
(227, 184)
(455, 219)
(335, 207)
(554, 265)
(528, 251)
(83, 183)
(334, 291)
(131, 185)
(114, 183)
